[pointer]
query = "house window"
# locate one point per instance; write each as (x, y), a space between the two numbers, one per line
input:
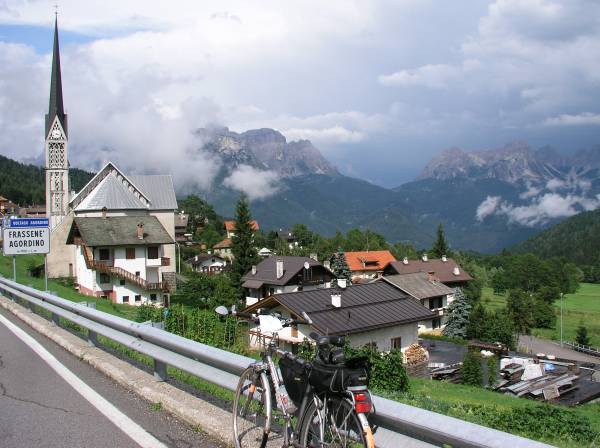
(122, 282)
(138, 298)
(153, 252)
(435, 303)
(125, 299)
(104, 254)
(153, 297)
(130, 253)
(104, 278)
(137, 273)
(396, 343)
(436, 323)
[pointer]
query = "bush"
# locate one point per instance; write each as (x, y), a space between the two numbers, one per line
(582, 335)
(492, 373)
(35, 269)
(471, 370)
(387, 369)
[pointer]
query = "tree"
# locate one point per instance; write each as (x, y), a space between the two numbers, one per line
(242, 242)
(478, 319)
(543, 314)
(440, 245)
(206, 291)
(401, 250)
(458, 316)
(200, 212)
(339, 266)
(488, 326)
(520, 306)
(471, 372)
(582, 335)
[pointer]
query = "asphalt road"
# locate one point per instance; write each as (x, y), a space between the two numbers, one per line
(38, 408)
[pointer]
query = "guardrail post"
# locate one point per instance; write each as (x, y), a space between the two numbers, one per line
(56, 319)
(160, 370)
(92, 338)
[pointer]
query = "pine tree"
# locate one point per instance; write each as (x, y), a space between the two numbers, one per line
(440, 246)
(471, 372)
(582, 335)
(458, 316)
(242, 244)
(339, 266)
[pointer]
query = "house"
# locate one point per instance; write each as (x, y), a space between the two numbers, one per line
(276, 275)
(376, 314)
(427, 289)
(445, 269)
(368, 264)
(287, 237)
(230, 227)
(7, 207)
(122, 258)
(208, 263)
(265, 252)
(33, 211)
(181, 223)
(223, 248)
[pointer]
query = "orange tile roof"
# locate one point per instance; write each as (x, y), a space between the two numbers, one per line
(226, 243)
(230, 225)
(374, 260)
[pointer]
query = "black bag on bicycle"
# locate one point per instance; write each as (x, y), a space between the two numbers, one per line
(327, 377)
(295, 377)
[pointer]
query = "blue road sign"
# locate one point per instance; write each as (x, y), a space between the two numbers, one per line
(28, 222)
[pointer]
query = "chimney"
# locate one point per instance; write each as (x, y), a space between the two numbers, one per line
(196, 258)
(336, 299)
(405, 260)
(104, 210)
(456, 271)
(327, 264)
(430, 276)
(209, 252)
(424, 257)
(140, 231)
(341, 283)
(279, 268)
(314, 257)
(253, 269)
(444, 259)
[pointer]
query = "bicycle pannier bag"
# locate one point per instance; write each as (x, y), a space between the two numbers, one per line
(295, 378)
(336, 378)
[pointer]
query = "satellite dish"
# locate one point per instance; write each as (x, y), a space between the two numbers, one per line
(306, 265)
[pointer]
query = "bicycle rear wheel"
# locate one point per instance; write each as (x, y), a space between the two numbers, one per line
(252, 410)
(335, 426)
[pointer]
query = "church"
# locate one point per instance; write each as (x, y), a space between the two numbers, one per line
(116, 237)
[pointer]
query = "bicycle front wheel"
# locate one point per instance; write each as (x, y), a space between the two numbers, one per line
(336, 425)
(252, 410)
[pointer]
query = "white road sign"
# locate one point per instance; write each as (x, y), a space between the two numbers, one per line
(26, 236)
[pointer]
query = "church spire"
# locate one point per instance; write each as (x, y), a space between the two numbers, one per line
(56, 108)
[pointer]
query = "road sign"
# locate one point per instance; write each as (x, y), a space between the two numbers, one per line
(26, 236)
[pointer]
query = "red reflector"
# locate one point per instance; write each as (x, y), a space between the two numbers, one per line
(363, 407)
(361, 397)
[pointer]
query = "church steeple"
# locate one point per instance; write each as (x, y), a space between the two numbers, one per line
(56, 107)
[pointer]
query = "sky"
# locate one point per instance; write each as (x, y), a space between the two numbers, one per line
(379, 87)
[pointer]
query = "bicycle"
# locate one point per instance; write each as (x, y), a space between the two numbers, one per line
(318, 404)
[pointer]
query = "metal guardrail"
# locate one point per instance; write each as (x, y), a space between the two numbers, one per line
(222, 368)
(594, 351)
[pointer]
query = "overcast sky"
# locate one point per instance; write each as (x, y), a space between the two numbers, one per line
(378, 86)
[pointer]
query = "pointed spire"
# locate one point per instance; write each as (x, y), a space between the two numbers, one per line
(56, 107)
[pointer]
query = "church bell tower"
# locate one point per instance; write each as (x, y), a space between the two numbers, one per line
(57, 164)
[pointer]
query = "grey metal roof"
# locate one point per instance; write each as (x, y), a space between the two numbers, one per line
(419, 285)
(292, 266)
(443, 270)
(363, 307)
(252, 284)
(158, 188)
(119, 231)
(112, 194)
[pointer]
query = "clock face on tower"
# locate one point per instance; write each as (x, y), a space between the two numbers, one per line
(55, 133)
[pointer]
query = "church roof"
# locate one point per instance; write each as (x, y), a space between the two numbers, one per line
(55, 106)
(114, 190)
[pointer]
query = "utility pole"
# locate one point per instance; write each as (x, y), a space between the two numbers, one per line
(561, 319)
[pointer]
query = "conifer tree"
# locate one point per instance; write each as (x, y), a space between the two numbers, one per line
(458, 316)
(242, 242)
(440, 246)
(339, 266)
(582, 335)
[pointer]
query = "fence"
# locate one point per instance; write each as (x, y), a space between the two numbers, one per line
(594, 351)
(400, 424)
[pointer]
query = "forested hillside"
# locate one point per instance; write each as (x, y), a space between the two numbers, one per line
(24, 184)
(577, 239)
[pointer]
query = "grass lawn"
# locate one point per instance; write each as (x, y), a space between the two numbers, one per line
(581, 307)
(62, 290)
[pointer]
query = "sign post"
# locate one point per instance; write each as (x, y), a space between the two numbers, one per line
(23, 236)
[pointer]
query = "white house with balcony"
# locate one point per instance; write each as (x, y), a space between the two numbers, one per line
(122, 258)
(430, 291)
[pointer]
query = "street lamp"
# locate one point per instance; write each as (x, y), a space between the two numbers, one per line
(561, 319)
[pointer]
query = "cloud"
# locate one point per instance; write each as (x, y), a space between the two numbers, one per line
(435, 76)
(584, 118)
(531, 191)
(255, 183)
(336, 134)
(540, 211)
(487, 207)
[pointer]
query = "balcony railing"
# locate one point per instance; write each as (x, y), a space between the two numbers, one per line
(165, 261)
